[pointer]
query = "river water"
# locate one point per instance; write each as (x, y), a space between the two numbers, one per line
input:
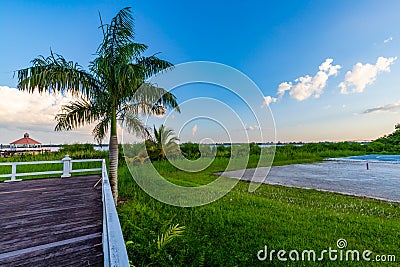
(343, 175)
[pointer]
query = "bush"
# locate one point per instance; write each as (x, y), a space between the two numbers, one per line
(69, 149)
(190, 150)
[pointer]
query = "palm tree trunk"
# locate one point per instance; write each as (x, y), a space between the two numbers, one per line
(113, 155)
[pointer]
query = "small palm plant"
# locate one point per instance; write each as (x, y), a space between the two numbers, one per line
(165, 141)
(159, 254)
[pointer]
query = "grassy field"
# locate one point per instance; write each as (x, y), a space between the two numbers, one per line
(231, 231)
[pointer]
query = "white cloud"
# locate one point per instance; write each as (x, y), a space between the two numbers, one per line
(268, 100)
(20, 108)
(364, 74)
(328, 68)
(389, 108)
(307, 86)
(283, 87)
(253, 128)
(194, 130)
(388, 40)
(34, 113)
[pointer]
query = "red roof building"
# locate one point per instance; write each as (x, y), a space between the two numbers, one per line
(26, 141)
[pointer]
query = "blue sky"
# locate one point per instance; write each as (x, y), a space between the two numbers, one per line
(272, 42)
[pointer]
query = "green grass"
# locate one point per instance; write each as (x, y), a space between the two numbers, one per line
(230, 231)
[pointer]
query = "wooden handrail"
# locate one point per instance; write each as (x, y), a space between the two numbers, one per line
(66, 171)
(114, 249)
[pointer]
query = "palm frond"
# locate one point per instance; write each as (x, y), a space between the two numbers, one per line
(135, 125)
(101, 69)
(118, 33)
(169, 100)
(128, 52)
(157, 135)
(167, 136)
(170, 234)
(129, 77)
(153, 65)
(100, 130)
(55, 74)
(76, 114)
(159, 98)
(139, 108)
(158, 110)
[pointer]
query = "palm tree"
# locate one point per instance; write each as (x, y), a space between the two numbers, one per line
(165, 141)
(109, 92)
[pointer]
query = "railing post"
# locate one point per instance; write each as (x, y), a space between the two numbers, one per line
(103, 167)
(66, 167)
(13, 171)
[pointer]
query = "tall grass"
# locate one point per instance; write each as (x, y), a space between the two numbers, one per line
(230, 231)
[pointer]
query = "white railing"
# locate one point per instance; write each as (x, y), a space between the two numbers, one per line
(114, 250)
(66, 171)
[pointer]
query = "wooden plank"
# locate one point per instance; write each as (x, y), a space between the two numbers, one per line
(63, 242)
(44, 222)
(82, 253)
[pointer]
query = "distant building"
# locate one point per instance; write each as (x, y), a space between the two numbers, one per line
(26, 142)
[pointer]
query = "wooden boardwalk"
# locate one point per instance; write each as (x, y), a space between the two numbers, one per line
(51, 222)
